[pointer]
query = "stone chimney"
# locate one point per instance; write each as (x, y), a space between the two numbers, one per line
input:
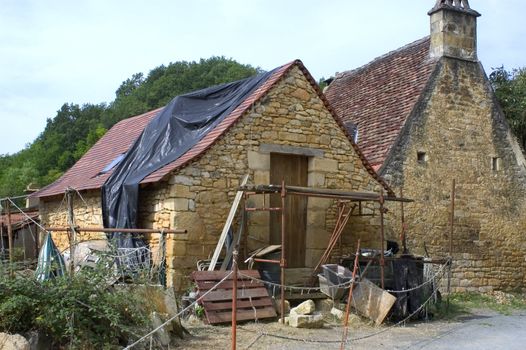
(453, 30)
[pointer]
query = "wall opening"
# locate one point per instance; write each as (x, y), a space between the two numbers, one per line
(495, 163)
(421, 157)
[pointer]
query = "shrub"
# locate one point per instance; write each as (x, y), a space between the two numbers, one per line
(78, 312)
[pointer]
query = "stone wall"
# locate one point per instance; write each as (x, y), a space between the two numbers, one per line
(459, 133)
(290, 119)
(86, 210)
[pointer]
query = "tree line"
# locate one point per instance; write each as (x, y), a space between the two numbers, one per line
(75, 128)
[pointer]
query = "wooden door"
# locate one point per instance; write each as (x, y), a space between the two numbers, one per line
(292, 169)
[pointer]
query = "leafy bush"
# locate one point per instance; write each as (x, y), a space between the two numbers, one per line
(81, 312)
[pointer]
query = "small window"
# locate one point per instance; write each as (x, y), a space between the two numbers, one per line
(421, 157)
(495, 163)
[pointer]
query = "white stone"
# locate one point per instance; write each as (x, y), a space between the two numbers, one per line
(13, 342)
(316, 179)
(323, 165)
(305, 308)
(258, 161)
(339, 314)
(306, 321)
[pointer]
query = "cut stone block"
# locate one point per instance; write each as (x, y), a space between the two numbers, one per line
(306, 321)
(305, 308)
(339, 314)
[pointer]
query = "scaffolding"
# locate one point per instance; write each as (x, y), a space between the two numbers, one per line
(348, 201)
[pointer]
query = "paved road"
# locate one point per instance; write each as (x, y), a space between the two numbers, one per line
(481, 330)
(477, 332)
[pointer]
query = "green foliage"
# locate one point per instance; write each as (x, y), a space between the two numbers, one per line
(80, 312)
(463, 303)
(74, 129)
(138, 94)
(510, 89)
(322, 83)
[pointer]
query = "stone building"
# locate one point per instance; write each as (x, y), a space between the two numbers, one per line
(426, 115)
(285, 124)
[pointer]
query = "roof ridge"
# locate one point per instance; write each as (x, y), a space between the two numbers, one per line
(382, 57)
(127, 119)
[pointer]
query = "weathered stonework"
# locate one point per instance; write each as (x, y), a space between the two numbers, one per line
(87, 212)
(464, 136)
(454, 32)
(292, 119)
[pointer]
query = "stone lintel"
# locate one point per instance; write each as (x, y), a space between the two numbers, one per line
(300, 151)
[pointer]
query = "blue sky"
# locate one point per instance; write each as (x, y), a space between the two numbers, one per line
(53, 51)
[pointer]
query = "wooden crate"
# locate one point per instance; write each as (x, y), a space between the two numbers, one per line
(253, 300)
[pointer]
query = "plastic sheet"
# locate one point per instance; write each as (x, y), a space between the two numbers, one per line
(50, 261)
(174, 131)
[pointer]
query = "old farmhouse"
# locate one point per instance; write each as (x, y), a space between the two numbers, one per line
(426, 116)
(285, 129)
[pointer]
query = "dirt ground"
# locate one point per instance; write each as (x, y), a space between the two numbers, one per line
(480, 329)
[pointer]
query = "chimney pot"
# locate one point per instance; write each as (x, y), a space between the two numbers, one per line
(453, 30)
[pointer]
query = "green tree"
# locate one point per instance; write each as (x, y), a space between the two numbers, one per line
(510, 89)
(75, 128)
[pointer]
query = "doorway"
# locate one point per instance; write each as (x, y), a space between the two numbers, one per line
(293, 170)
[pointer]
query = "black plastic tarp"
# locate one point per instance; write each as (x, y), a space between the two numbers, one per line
(174, 131)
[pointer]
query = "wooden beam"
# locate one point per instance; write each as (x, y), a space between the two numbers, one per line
(226, 228)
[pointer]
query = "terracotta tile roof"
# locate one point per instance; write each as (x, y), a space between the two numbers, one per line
(380, 96)
(18, 219)
(84, 174)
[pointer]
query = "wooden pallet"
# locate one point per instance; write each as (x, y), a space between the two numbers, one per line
(253, 300)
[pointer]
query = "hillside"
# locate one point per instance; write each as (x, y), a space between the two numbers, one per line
(74, 129)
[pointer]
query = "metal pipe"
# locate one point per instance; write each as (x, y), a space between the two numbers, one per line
(450, 258)
(234, 300)
(114, 230)
(244, 251)
(267, 261)
(283, 263)
(403, 238)
(72, 233)
(10, 236)
(263, 209)
(452, 219)
(349, 299)
(382, 261)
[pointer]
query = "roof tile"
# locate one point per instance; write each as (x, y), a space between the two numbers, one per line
(380, 96)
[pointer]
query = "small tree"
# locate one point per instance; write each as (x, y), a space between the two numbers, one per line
(510, 89)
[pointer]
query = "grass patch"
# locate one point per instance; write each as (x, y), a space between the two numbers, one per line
(464, 303)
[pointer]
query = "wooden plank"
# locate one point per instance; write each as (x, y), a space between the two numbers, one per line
(253, 300)
(242, 315)
(206, 285)
(228, 223)
(226, 294)
(241, 304)
(293, 170)
(267, 250)
(219, 275)
(372, 301)
(235, 242)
